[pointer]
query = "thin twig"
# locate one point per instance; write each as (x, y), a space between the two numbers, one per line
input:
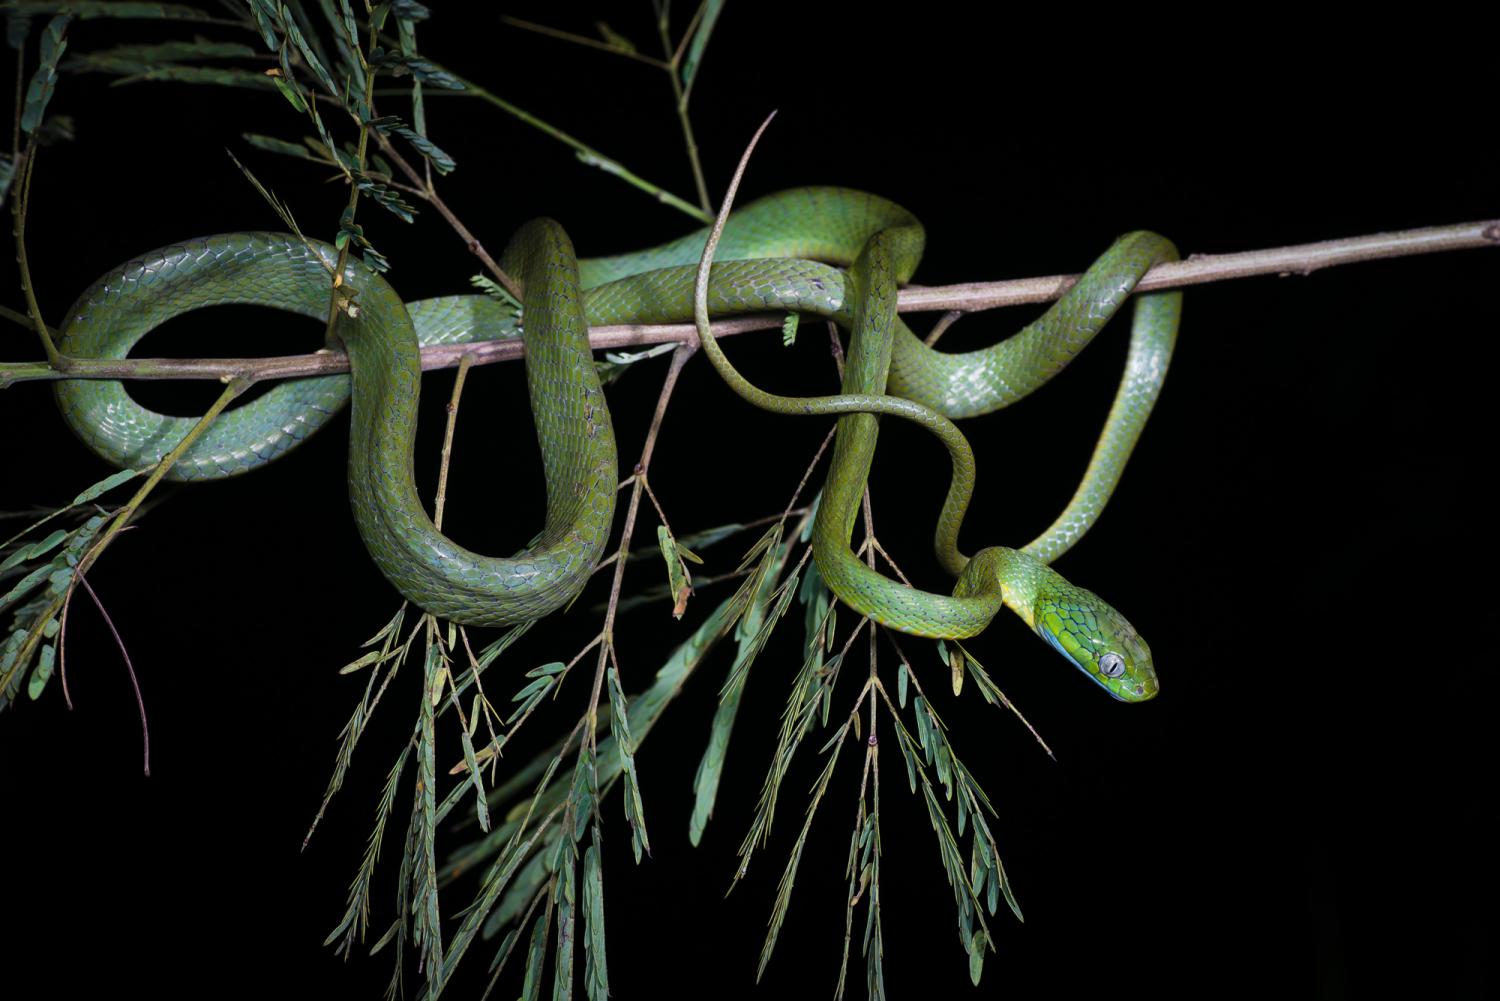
(489, 710)
(140, 703)
(536, 898)
(62, 641)
(869, 520)
(1296, 259)
(836, 349)
(590, 738)
(687, 36)
(877, 547)
(680, 98)
(20, 200)
(337, 298)
(442, 488)
(15, 120)
(586, 153)
(679, 359)
(653, 552)
(232, 390)
(584, 40)
(807, 473)
(556, 687)
(428, 194)
(1299, 259)
(940, 328)
(651, 495)
(62, 650)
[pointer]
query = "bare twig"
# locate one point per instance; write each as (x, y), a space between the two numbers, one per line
(807, 473)
(651, 495)
(424, 190)
(940, 328)
(584, 40)
(589, 740)
(442, 489)
(140, 703)
(234, 388)
(1298, 259)
(680, 97)
(679, 359)
(15, 120)
(19, 203)
(1301, 259)
(586, 153)
(877, 547)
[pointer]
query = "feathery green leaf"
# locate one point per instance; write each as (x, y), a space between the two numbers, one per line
(399, 64)
(123, 9)
(596, 967)
(44, 80)
(690, 65)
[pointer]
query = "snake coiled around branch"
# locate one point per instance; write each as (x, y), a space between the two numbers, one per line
(785, 252)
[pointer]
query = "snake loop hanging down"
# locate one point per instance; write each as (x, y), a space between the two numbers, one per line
(785, 253)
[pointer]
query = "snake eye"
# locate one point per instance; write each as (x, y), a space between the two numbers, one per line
(1111, 665)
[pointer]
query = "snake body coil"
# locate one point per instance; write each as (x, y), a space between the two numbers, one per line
(768, 247)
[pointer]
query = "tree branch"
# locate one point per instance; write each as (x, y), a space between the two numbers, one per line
(1300, 259)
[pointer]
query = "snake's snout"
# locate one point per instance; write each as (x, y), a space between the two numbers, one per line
(1143, 684)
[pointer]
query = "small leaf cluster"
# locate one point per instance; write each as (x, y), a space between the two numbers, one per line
(45, 568)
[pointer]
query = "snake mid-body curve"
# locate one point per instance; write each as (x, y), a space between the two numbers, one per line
(771, 243)
(1077, 623)
(268, 269)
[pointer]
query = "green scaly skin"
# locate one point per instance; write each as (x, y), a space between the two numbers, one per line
(768, 239)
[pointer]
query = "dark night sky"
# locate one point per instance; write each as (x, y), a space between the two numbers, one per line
(1300, 536)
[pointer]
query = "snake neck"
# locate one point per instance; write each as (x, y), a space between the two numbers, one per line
(1020, 579)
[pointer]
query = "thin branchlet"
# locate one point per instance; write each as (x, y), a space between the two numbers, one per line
(1298, 259)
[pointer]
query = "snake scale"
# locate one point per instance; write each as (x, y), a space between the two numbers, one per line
(785, 252)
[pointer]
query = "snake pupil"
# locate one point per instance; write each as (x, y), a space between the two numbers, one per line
(1112, 665)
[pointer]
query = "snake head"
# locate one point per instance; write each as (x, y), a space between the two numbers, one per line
(1097, 639)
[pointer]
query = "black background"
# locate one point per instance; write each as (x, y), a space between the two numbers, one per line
(1303, 535)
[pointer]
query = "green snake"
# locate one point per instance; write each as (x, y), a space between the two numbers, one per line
(783, 253)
